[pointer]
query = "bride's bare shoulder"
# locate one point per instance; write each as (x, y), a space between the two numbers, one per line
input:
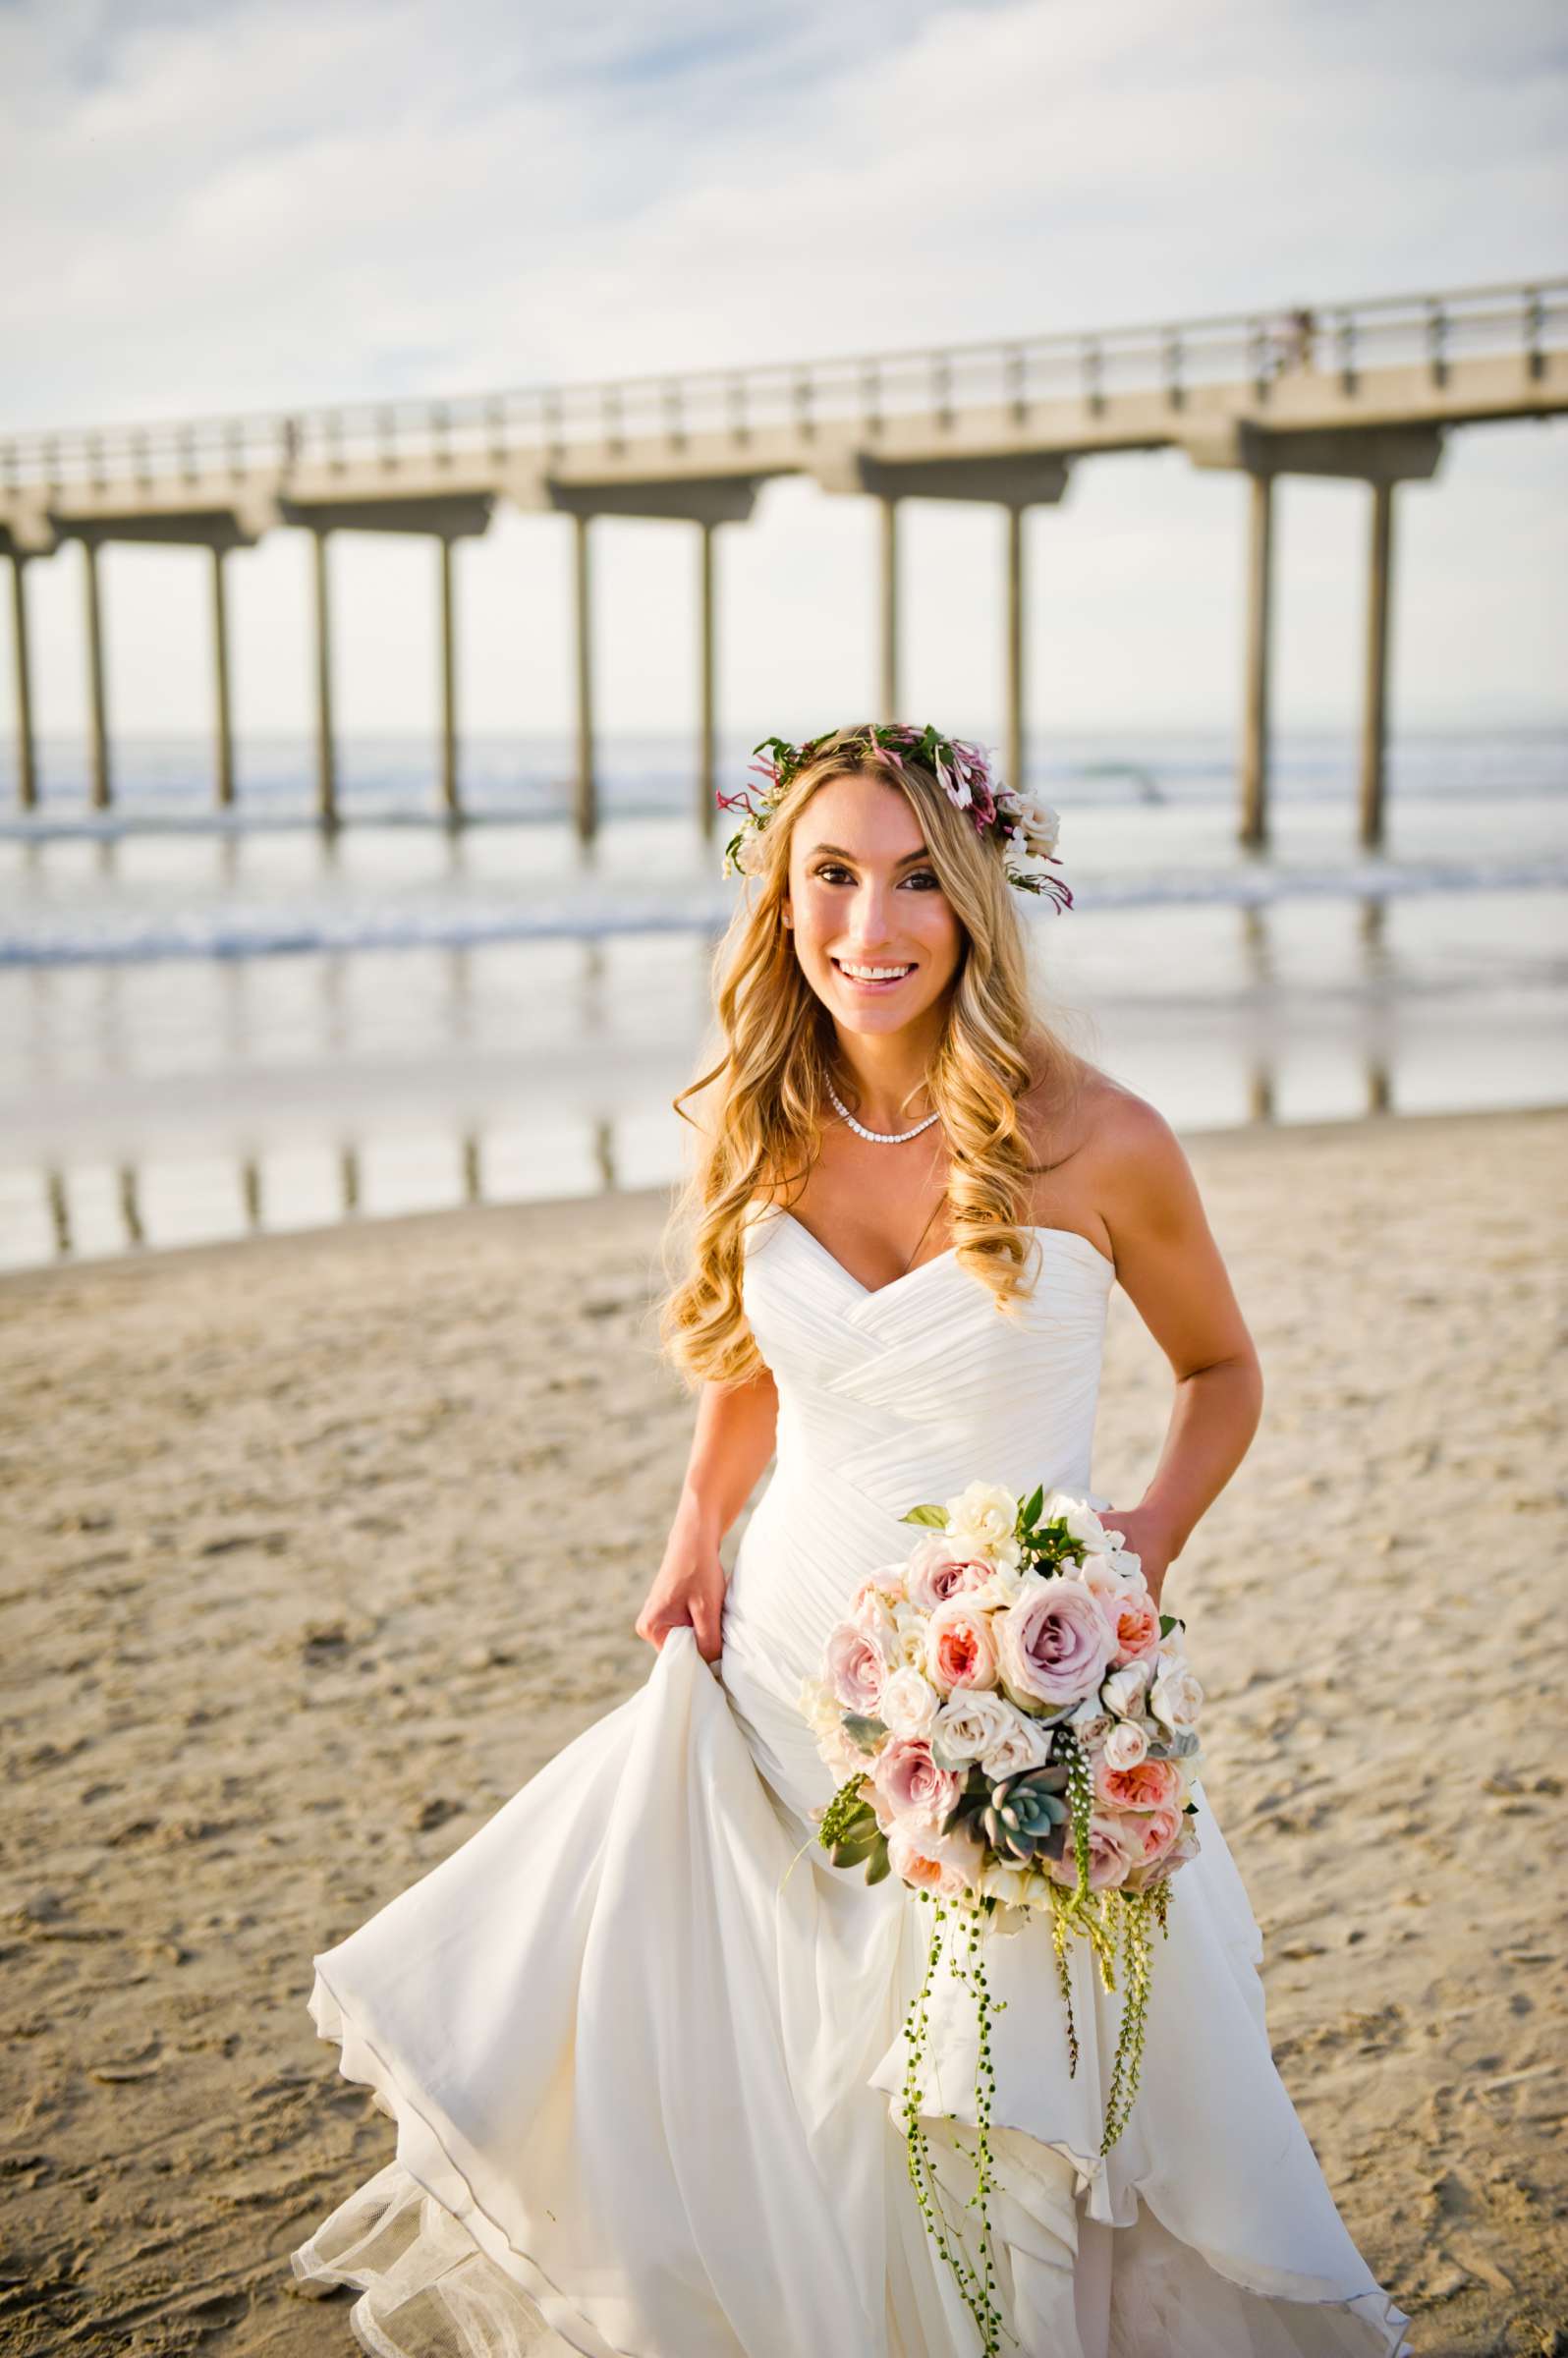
(1100, 1137)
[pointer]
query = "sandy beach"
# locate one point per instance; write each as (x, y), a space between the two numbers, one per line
(276, 1518)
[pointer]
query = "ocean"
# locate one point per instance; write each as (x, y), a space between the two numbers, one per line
(218, 1024)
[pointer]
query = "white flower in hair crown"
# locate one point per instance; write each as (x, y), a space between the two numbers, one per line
(1025, 829)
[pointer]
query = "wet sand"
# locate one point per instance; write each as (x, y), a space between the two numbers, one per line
(276, 1519)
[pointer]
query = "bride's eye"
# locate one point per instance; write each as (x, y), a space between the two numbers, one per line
(832, 871)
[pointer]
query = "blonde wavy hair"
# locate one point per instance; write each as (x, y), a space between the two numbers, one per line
(759, 1133)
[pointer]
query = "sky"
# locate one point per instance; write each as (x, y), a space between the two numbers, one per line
(254, 203)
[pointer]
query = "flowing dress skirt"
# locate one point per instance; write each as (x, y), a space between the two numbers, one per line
(646, 2066)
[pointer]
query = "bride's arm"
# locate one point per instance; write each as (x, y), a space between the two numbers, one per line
(1170, 1268)
(732, 1442)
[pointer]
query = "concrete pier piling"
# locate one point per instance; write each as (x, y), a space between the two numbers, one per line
(97, 713)
(450, 802)
(585, 793)
(1374, 708)
(327, 760)
(1013, 750)
(707, 685)
(21, 677)
(1261, 394)
(887, 642)
(223, 717)
(1253, 829)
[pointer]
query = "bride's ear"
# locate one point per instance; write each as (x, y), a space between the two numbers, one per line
(786, 912)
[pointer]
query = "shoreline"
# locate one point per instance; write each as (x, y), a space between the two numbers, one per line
(320, 1543)
(637, 1204)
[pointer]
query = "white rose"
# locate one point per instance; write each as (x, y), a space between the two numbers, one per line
(1123, 1691)
(1062, 1506)
(980, 1522)
(1012, 1887)
(842, 1755)
(1042, 824)
(837, 1747)
(1176, 1696)
(969, 1723)
(1125, 1745)
(1024, 1745)
(999, 1590)
(910, 1704)
(908, 1636)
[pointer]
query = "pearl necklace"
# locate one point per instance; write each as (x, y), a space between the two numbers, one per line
(878, 1138)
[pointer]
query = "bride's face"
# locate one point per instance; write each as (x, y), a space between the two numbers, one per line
(862, 894)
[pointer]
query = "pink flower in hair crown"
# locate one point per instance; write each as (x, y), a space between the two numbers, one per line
(1025, 830)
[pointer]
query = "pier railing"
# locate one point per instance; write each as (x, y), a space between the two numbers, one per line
(1363, 391)
(933, 384)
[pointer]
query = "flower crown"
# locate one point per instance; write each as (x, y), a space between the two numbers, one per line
(1025, 829)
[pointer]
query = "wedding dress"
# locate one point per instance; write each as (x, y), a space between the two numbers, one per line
(645, 2054)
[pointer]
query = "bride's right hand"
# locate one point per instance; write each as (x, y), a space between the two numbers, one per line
(688, 1592)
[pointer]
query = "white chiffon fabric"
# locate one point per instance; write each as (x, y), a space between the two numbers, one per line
(643, 2045)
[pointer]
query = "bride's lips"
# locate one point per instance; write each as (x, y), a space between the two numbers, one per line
(872, 990)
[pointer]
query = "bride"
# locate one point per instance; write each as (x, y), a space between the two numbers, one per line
(640, 2040)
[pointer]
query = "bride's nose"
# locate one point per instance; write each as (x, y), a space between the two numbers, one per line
(872, 917)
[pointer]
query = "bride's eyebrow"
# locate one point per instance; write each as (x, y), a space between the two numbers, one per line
(839, 854)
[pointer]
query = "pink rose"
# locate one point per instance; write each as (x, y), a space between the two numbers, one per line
(1150, 1785)
(936, 1571)
(1107, 1581)
(911, 1787)
(876, 1591)
(1053, 1645)
(1147, 1835)
(1137, 1627)
(1186, 1847)
(960, 1650)
(855, 1669)
(1108, 1861)
(945, 1865)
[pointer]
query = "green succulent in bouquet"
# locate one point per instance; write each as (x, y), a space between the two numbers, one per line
(1027, 1815)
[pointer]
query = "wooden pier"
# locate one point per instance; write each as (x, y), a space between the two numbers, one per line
(1365, 390)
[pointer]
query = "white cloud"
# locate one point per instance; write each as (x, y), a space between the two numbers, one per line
(272, 203)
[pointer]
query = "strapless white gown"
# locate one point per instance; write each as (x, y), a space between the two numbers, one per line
(647, 2079)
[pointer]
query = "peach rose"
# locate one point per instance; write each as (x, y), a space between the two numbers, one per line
(960, 1650)
(1150, 1785)
(945, 1865)
(1137, 1626)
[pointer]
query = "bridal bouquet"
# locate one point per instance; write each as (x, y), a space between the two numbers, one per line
(1015, 1725)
